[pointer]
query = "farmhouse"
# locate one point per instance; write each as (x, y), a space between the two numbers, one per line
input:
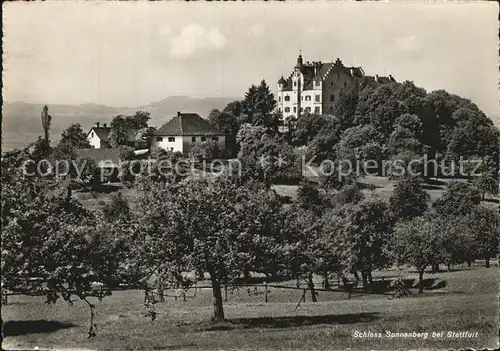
(98, 136)
(314, 87)
(184, 131)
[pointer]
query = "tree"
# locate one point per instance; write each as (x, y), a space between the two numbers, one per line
(309, 249)
(120, 126)
(486, 184)
(345, 106)
(54, 246)
(349, 194)
(206, 151)
(483, 226)
(234, 108)
(117, 209)
(73, 137)
(46, 121)
(366, 239)
(458, 199)
(126, 153)
(309, 198)
(408, 200)
(207, 225)
(321, 144)
(259, 104)
(228, 124)
(419, 242)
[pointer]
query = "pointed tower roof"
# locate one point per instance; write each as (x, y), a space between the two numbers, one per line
(282, 80)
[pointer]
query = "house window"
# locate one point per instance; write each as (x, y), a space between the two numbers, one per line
(317, 83)
(171, 139)
(159, 138)
(215, 138)
(287, 98)
(287, 109)
(203, 138)
(295, 109)
(302, 98)
(332, 97)
(294, 84)
(316, 109)
(279, 98)
(317, 98)
(308, 97)
(92, 134)
(193, 139)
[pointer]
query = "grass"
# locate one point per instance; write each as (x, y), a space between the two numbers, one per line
(468, 304)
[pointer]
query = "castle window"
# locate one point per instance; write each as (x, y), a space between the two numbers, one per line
(171, 139)
(317, 83)
(331, 83)
(308, 109)
(159, 139)
(287, 98)
(308, 97)
(193, 139)
(279, 98)
(316, 109)
(295, 109)
(294, 84)
(332, 97)
(287, 109)
(317, 98)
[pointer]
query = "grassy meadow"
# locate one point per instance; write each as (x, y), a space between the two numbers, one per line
(463, 300)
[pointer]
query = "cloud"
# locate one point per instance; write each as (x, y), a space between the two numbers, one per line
(195, 38)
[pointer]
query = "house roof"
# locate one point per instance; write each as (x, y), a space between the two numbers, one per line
(319, 71)
(102, 132)
(187, 124)
(101, 156)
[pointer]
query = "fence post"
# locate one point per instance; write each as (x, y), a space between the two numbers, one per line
(225, 292)
(184, 295)
(265, 293)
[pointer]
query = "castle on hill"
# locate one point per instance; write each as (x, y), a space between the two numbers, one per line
(314, 87)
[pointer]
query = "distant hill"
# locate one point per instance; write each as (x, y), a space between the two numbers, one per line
(21, 121)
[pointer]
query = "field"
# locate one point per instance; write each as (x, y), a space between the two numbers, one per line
(463, 300)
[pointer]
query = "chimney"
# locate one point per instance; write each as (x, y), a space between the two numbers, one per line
(97, 124)
(178, 113)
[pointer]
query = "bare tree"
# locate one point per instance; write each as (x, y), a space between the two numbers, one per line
(46, 120)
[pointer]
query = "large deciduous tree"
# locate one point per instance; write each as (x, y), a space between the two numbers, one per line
(420, 242)
(207, 225)
(408, 199)
(458, 199)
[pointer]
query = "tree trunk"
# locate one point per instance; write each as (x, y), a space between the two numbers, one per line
(218, 307)
(449, 267)
(346, 283)
(469, 263)
(421, 281)
(356, 275)
(487, 258)
(311, 287)
(365, 280)
(370, 277)
(326, 284)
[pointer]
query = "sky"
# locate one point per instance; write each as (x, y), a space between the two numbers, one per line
(134, 53)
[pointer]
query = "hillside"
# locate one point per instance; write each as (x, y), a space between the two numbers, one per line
(21, 121)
